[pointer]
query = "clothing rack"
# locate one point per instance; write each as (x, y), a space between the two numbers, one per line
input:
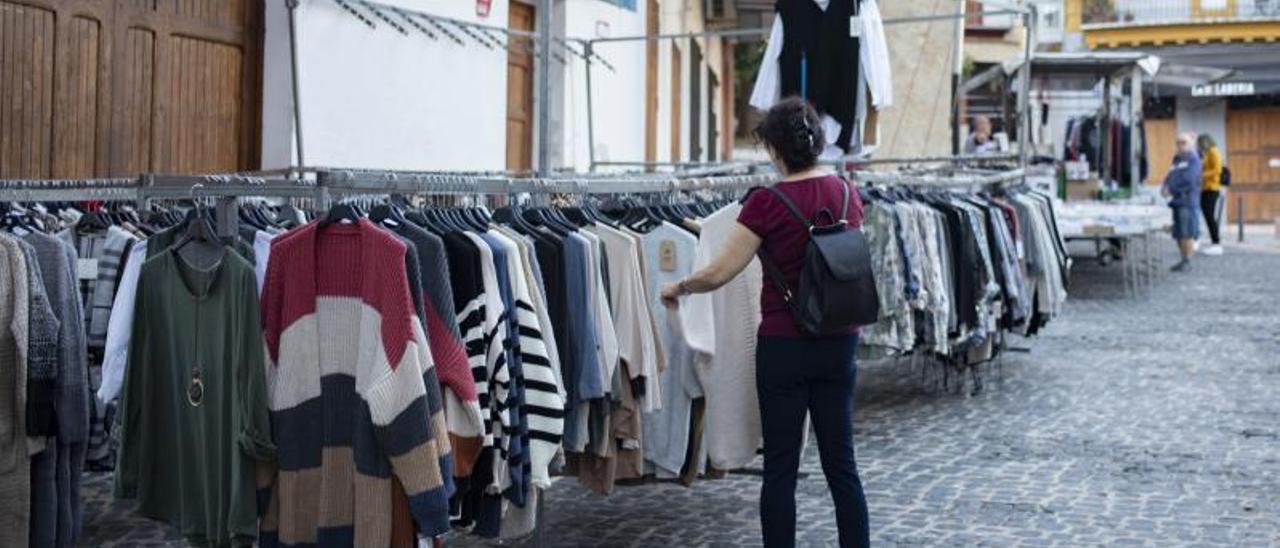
(958, 180)
(330, 183)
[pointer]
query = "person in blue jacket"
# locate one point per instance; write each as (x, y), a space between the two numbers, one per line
(1182, 186)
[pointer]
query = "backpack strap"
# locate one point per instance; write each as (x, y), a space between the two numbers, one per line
(775, 275)
(791, 206)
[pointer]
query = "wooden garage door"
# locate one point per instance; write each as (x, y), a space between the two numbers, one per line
(520, 92)
(1162, 145)
(92, 88)
(1253, 154)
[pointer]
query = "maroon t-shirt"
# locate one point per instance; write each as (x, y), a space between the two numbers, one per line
(785, 238)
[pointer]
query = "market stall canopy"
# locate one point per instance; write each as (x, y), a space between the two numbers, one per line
(1096, 64)
(1188, 76)
(1099, 63)
(1231, 70)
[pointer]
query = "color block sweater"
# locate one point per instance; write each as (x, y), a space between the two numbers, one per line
(345, 377)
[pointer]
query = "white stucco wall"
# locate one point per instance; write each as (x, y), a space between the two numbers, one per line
(1204, 115)
(377, 98)
(617, 95)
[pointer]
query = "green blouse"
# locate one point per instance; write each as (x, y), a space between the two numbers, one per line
(195, 415)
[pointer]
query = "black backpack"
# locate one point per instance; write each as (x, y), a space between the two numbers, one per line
(1226, 176)
(837, 286)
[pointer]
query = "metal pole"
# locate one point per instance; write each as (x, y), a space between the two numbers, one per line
(1104, 129)
(544, 87)
(1025, 119)
(297, 87)
(1240, 218)
(588, 48)
(762, 32)
(957, 70)
(1135, 116)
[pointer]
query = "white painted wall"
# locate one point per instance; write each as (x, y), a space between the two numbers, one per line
(617, 96)
(1204, 115)
(376, 98)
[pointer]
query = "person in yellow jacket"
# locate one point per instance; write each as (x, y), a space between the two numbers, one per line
(1211, 202)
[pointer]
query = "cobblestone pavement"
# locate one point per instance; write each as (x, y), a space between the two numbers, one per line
(1152, 422)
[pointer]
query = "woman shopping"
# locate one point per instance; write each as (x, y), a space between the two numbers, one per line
(796, 372)
(1211, 203)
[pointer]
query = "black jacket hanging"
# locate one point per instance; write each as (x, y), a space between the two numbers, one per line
(820, 42)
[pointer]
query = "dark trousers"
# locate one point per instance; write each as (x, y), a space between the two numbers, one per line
(814, 375)
(1209, 205)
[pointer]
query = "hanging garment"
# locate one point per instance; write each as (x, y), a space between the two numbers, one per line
(15, 463)
(195, 416)
(668, 257)
(875, 64)
(58, 522)
(346, 367)
(541, 400)
(811, 54)
(118, 330)
(720, 328)
(465, 422)
(42, 353)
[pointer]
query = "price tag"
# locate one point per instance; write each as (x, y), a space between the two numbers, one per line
(855, 26)
(87, 269)
(667, 256)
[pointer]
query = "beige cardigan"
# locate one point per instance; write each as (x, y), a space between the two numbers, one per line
(15, 463)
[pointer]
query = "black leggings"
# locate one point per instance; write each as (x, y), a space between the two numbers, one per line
(1209, 205)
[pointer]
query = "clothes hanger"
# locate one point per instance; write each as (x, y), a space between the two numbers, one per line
(388, 214)
(342, 212)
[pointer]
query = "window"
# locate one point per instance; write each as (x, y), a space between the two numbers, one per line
(625, 4)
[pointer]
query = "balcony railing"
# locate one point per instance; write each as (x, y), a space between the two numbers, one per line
(1108, 13)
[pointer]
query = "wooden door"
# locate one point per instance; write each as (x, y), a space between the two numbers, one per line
(520, 73)
(652, 28)
(677, 101)
(1253, 154)
(1162, 145)
(121, 87)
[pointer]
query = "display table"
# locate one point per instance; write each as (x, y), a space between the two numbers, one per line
(1126, 230)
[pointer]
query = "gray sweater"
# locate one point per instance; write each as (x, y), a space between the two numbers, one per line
(57, 264)
(42, 352)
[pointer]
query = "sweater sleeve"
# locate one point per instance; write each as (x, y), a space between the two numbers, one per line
(396, 395)
(119, 325)
(42, 355)
(254, 435)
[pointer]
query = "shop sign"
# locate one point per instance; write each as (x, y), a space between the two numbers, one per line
(1222, 89)
(483, 7)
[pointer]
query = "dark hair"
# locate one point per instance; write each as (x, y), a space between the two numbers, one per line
(794, 132)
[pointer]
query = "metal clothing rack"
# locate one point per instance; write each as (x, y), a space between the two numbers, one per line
(328, 183)
(956, 180)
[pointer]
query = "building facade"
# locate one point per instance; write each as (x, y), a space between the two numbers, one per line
(121, 87)
(1236, 45)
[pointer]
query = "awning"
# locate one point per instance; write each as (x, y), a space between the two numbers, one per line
(1251, 67)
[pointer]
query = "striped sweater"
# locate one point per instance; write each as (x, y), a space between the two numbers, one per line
(347, 375)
